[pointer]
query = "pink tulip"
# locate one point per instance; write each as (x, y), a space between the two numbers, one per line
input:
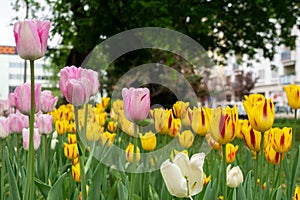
(136, 103)
(23, 99)
(4, 107)
(31, 38)
(36, 138)
(77, 84)
(16, 122)
(48, 102)
(11, 99)
(3, 127)
(44, 123)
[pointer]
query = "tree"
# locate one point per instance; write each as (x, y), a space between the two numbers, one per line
(238, 27)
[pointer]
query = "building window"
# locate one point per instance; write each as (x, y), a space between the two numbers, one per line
(261, 74)
(286, 55)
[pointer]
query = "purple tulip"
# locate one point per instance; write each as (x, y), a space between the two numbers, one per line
(16, 122)
(136, 103)
(31, 38)
(48, 102)
(3, 127)
(44, 123)
(36, 138)
(23, 98)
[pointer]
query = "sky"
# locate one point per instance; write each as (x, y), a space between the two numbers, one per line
(6, 30)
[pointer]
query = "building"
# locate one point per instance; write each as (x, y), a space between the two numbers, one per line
(12, 71)
(272, 75)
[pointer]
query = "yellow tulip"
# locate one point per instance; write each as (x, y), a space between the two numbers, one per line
(101, 118)
(76, 172)
(181, 109)
(130, 153)
(252, 137)
(212, 143)
(126, 125)
(70, 150)
(75, 160)
(297, 193)
(112, 126)
(260, 112)
(231, 151)
(186, 139)
(159, 117)
(148, 141)
(108, 138)
(105, 102)
(282, 139)
(268, 137)
(72, 138)
(293, 95)
(93, 131)
(272, 156)
(200, 119)
(71, 127)
(223, 124)
(206, 180)
(61, 126)
(171, 125)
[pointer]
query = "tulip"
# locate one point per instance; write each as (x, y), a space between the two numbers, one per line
(297, 193)
(76, 172)
(148, 141)
(61, 126)
(282, 139)
(75, 161)
(108, 138)
(77, 91)
(93, 131)
(4, 107)
(53, 143)
(260, 112)
(182, 111)
(234, 176)
(92, 76)
(4, 130)
(48, 102)
(201, 120)
(101, 118)
(130, 153)
(159, 118)
(36, 138)
(126, 126)
(272, 156)
(186, 139)
(71, 127)
(72, 138)
(17, 122)
(136, 103)
(104, 102)
(11, 99)
(171, 125)
(70, 150)
(293, 95)
(112, 126)
(231, 151)
(31, 38)
(238, 131)
(184, 177)
(206, 180)
(44, 123)
(23, 98)
(252, 137)
(212, 143)
(223, 124)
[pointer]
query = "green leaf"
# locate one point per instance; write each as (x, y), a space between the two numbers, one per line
(210, 192)
(248, 185)
(122, 191)
(14, 190)
(55, 191)
(279, 194)
(295, 172)
(95, 187)
(153, 193)
(43, 187)
(241, 192)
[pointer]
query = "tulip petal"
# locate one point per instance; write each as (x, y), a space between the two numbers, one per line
(174, 179)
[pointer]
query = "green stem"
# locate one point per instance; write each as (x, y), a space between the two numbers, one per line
(82, 156)
(29, 186)
(279, 172)
(224, 171)
(46, 158)
(255, 176)
(294, 129)
(261, 156)
(135, 138)
(2, 169)
(18, 157)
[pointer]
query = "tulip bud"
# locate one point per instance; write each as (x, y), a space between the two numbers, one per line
(76, 172)
(17, 122)
(201, 120)
(231, 151)
(293, 95)
(108, 138)
(186, 139)
(44, 123)
(72, 138)
(70, 150)
(136, 103)
(61, 126)
(31, 38)
(23, 98)
(53, 143)
(36, 138)
(234, 176)
(130, 153)
(4, 131)
(112, 126)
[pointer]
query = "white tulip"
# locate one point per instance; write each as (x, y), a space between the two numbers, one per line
(234, 176)
(184, 177)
